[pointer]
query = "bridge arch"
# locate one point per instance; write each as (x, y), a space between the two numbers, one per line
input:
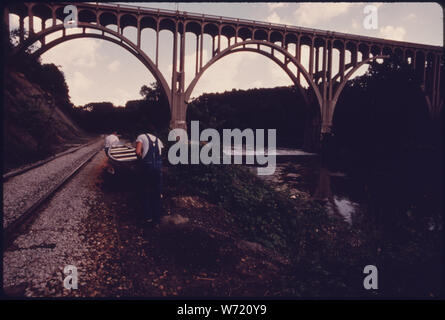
(241, 46)
(347, 77)
(312, 46)
(124, 43)
(351, 72)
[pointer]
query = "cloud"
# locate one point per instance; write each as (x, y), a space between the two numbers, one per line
(392, 33)
(409, 17)
(79, 82)
(13, 22)
(276, 5)
(76, 53)
(240, 71)
(114, 66)
(274, 18)
(121, 96)
(221, 76)
(310, 14)
(355, 24)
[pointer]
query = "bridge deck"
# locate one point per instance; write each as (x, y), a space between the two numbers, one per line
(257, 24)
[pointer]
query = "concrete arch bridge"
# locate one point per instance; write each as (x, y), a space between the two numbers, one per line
(283, 44)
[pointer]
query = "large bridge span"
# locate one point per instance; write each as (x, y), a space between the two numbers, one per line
(268, 39)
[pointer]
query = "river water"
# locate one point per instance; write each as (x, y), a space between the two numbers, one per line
(353, 195)
(396, 215)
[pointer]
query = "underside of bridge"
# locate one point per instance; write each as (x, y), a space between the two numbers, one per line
(282, 44)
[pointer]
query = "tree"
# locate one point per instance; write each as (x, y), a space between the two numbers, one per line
(381, 113)
(151, 93)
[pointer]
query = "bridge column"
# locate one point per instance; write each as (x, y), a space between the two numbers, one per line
(157, 43)
(297, 56)
(138, 33)
(219, 39)
(178, 105)
(200, 47)
(55, 20)
(329, 77)
(311, 58)
(43, 28)
(21, 30)
(178, 111)
(328, 103)
(30, 21)
(182, 61)
(317, 59)
(197, 55)
(354, 56)
(342, 63)
(325, 125)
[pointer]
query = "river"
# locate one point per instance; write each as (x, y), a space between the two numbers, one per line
(395, 214)
(353, 195)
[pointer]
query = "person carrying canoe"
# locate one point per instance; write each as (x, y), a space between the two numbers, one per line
(148, 150)
(111, 140)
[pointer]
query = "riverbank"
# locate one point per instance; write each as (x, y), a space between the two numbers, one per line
(327, 253)
(293, 225)
(224, 233)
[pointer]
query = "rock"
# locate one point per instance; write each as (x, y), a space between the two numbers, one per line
(174, 219)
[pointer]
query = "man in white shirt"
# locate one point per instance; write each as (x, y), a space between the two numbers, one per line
(142, 141)
(111, 141)
(149, 149)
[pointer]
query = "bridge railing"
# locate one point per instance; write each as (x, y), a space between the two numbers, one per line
(261, 23)
(210, 16)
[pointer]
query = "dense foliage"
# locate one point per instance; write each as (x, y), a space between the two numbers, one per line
(34, 94)
(134, 118)
(381, 117)
(280, 108)
(49, 77)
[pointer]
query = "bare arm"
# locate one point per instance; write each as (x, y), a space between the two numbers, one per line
(139, 149)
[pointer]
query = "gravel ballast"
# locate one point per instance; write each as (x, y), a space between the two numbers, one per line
(33, 265)
(21, 192)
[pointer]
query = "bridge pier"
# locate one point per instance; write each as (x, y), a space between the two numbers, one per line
(178, 111)
(324, 86)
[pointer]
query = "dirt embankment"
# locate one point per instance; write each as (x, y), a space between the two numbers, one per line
(33, 126)
(194, 252)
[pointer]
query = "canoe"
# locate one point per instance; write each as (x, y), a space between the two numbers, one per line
(122, 157)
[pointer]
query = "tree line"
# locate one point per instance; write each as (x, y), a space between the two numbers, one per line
(382, 112)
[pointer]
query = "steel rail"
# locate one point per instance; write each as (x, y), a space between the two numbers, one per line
(39, 163)
(13, 229)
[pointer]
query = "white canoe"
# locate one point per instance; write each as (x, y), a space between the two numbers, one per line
(122, 155)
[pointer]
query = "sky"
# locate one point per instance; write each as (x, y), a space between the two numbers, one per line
(98, 70)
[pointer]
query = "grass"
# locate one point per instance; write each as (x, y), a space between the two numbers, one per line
(327, 254)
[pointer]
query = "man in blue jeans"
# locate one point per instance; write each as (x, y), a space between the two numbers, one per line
(149, 149)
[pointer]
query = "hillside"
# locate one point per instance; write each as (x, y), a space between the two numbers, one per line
(34, 127)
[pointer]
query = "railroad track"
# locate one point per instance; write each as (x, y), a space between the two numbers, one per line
(11, 232)
(19, 171)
